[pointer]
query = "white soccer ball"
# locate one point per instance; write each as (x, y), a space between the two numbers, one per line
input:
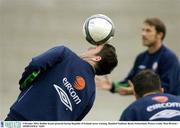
(98, 29)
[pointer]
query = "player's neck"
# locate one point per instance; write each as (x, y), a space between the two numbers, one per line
(89, 60)
(149, 93)
(154, 48)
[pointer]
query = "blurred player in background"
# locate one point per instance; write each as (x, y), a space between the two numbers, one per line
(157, 57)
(151, 104)
(59, 85)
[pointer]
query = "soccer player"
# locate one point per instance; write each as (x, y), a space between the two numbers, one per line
(157, 57)
(151, 103)
(59, 85)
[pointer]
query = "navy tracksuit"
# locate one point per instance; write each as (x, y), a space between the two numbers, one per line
(153, 107)
(165, 63)
(63, 91)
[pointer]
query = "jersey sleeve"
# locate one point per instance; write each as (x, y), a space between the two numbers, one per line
(43, 62)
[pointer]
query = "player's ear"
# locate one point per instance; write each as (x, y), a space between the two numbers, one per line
(96, 58)
(160, 35)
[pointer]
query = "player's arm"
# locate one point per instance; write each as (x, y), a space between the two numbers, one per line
(113, 86)
(123, 87)
(40, 64)
(169, 73)
(106, 83)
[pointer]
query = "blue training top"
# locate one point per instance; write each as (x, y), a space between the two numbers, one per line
(165, 63)
(63, 91)
(153, 107)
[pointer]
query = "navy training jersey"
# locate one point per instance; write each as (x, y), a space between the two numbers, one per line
(154, 107)
(165, 63)
(63, 91)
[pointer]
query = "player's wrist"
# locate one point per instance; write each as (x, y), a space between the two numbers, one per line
(28, 81)
(116, 85)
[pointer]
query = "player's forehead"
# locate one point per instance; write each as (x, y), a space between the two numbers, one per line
(148, 26)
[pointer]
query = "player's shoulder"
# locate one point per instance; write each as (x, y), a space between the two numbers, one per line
(160, 98)
(60, 47)
(135, 105)
(172, 97)
(131, 112)
(168, 57)
(141, 55)
(145, 100)
(168, 53)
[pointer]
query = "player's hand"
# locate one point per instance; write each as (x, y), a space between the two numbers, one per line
(126, 90)
(103, 82)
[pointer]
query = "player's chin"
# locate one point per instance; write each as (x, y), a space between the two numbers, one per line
(146, 43)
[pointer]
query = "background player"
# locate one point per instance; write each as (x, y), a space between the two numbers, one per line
(157, 57)
(151, 103)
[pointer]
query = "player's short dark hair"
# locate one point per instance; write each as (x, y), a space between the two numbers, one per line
(158, 24)
(108, 60)
(146, 81)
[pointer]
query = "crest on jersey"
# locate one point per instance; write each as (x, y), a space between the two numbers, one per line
(63, 97)
(79, 83)
(155, 66)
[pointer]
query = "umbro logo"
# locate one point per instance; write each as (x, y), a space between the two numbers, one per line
(63, 97)
(142, 67)
(166, 114)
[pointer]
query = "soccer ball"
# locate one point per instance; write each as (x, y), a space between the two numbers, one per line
(98, 29)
